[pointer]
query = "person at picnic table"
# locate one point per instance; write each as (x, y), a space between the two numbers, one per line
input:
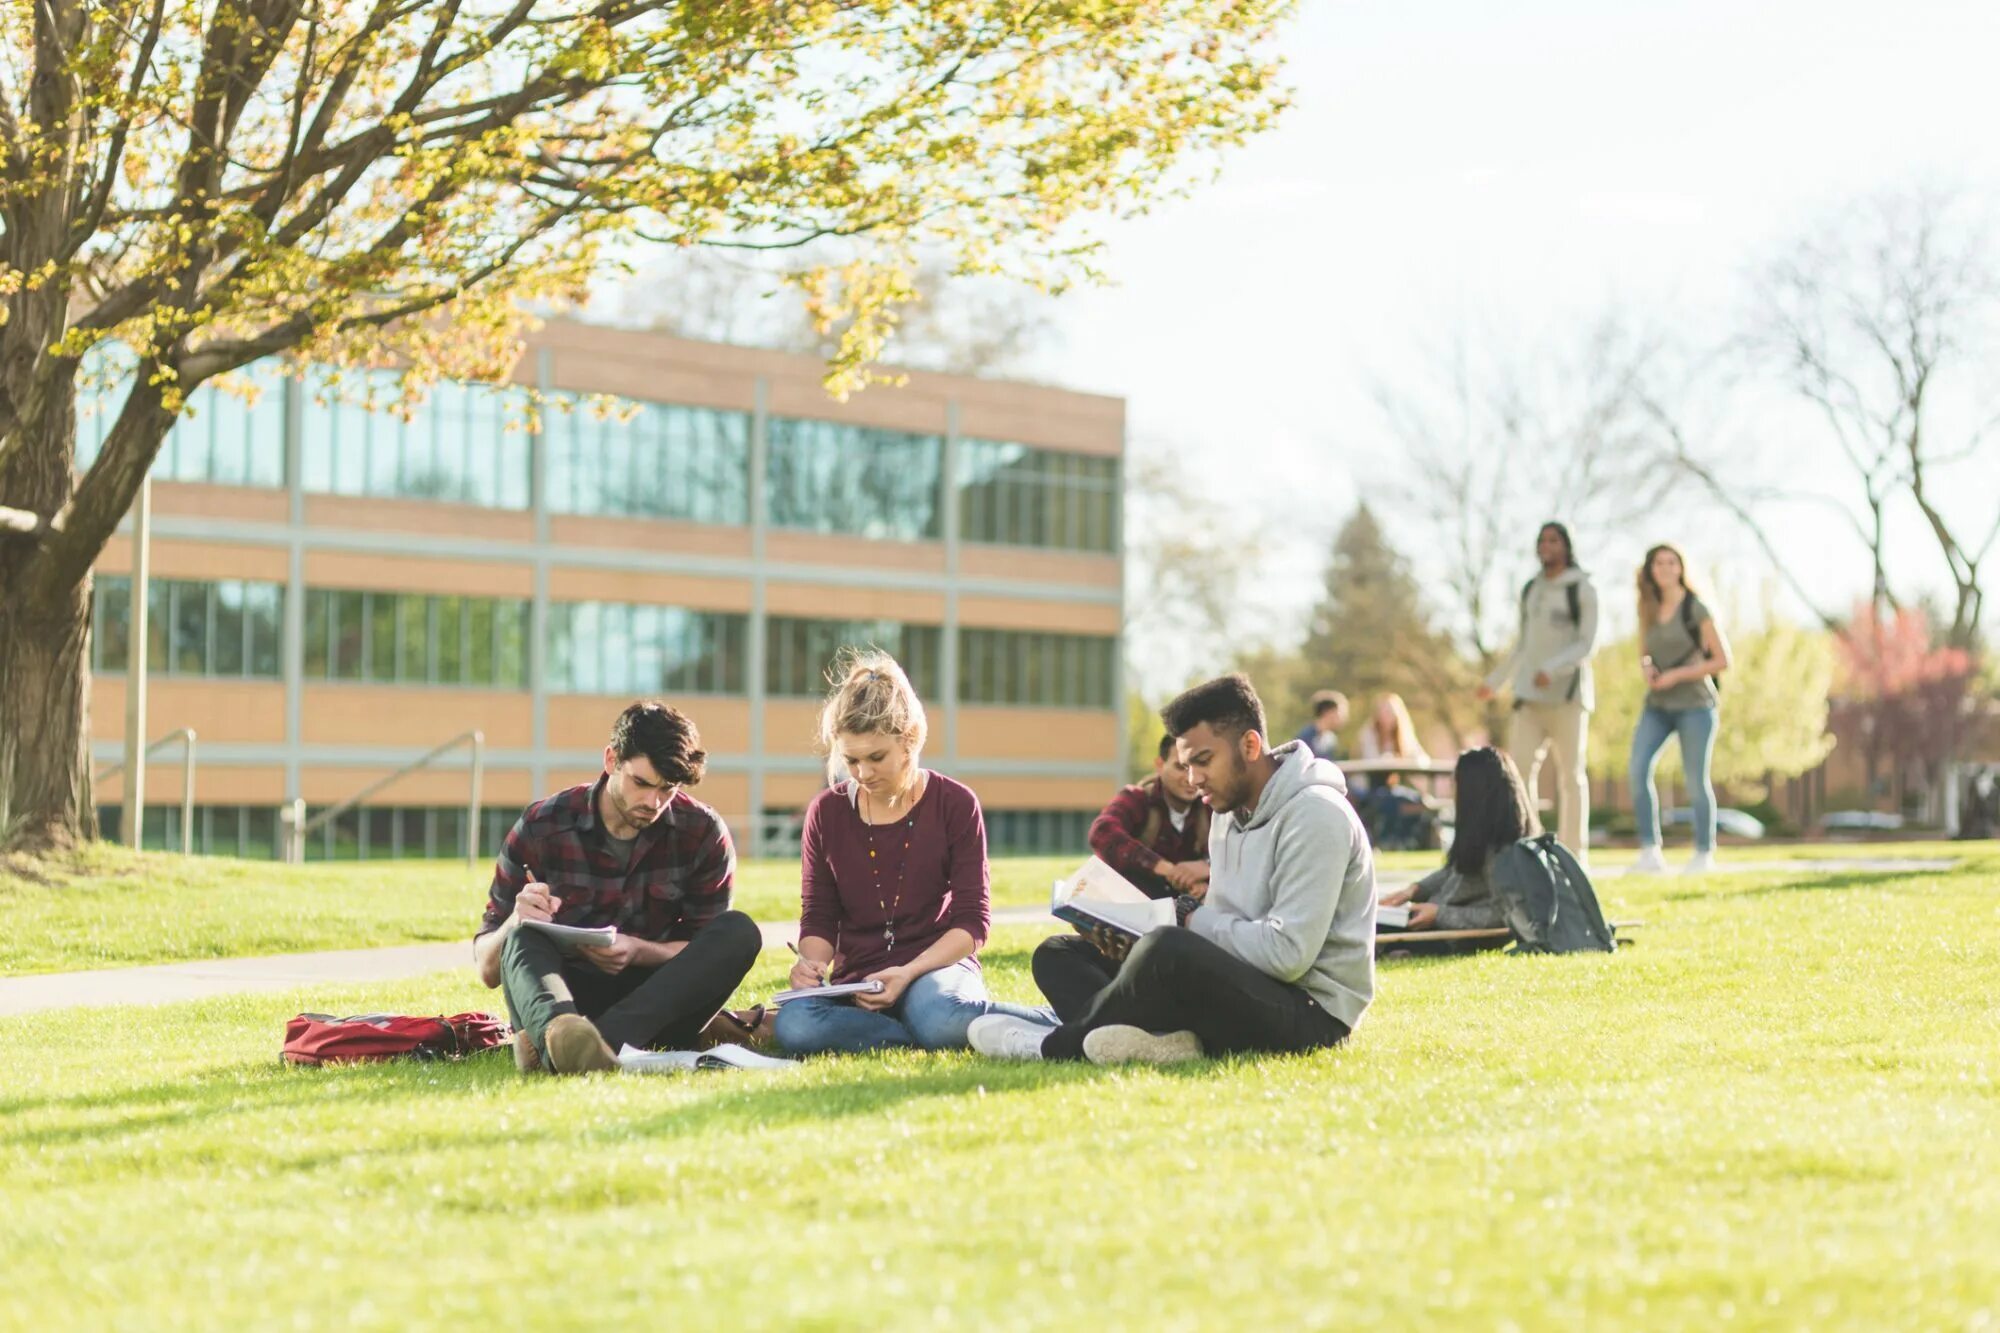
(1392, 812)
(1494, 812)
(631, 850)
(1279, 955)
(1322, 734)
(1155, 834)
(894, 883)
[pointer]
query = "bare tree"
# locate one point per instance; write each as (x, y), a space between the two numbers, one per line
(1497, 442)
(1185, 576)
(1883, 319)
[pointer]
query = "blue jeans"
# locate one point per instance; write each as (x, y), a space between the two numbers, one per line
(933, 1013)
(1696, 728)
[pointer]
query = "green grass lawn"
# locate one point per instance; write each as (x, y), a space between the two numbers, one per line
(1780, 1110)
(110, 907)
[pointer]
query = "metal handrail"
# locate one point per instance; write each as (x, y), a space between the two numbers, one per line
(185, 736)
(297, 826)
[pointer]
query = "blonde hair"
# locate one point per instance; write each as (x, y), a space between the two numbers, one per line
(1404, 744)
(872, 696)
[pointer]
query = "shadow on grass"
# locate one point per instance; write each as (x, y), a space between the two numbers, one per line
(1924, 881)
(245, 1088)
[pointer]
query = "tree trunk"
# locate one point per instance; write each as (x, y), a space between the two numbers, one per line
(45, 790)
(45, 793)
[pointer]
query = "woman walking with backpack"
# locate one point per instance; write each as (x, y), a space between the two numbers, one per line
(1682, 651)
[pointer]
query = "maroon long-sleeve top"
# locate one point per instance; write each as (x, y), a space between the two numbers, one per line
(928, 875)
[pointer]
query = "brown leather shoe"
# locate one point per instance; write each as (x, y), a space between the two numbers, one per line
(526, 1058)
(576, 1046)
(740, 1027)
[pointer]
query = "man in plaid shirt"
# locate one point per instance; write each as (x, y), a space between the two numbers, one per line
(633, 851)
(1155, 834)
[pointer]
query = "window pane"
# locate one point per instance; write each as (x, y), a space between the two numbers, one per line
(260, 834)
(479, 664)
(413, 830)
(349, 618)
(113, 596)
(264, 608)
(230, 629)
(382, 615)
(450, 640)
(159, 624)
(413, 647)
(510, 661)
(448, 831)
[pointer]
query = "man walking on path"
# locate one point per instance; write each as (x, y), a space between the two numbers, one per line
(1549, 670)
(634, 851)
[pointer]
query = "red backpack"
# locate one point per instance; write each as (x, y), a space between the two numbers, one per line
(321, 1039)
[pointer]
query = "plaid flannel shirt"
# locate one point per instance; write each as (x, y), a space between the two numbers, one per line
(1115, 836)
(680, 877)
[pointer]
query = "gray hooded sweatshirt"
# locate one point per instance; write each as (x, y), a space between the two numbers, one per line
(1550, 641)
(1292, 886)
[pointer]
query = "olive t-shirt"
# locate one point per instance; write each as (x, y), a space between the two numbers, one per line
(1670, 645)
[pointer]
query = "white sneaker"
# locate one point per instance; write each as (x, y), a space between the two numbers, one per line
(1650, 862)
(1005, 1037)
(1703, 863)
(1119, 1044)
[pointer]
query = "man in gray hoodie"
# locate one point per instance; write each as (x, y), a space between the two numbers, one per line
(1549, 670)
(1279, 956)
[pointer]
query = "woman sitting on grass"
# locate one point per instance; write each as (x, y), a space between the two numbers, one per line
(894, 883)
(1493, 812)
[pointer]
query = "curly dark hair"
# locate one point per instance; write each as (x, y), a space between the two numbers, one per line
(1227, 703)
(666, 736)
(1493, 808)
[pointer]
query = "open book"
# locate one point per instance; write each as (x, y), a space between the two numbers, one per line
(827, 992)
(572, 938)
(632, 1060)
(1097, 895)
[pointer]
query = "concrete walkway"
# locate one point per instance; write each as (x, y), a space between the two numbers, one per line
(170, 982)
(167, 983)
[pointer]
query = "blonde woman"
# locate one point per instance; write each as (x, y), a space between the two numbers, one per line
(894, 883)
(1682, 651)
(1393, 813)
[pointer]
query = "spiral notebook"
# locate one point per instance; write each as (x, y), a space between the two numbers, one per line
(828, 992)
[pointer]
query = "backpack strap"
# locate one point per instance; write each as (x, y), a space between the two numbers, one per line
(1149, 828)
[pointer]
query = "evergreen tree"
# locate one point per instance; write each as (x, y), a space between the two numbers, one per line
(1371, 633)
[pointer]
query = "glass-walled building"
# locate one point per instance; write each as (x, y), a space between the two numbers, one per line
(342, 581)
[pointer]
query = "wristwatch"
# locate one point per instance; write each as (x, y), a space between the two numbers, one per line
(1184, 905)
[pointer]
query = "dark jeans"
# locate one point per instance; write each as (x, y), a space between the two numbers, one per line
(1174, 981)
(666, 1005)
(1070, 971)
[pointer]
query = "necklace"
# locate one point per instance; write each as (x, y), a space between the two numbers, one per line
(888, 906)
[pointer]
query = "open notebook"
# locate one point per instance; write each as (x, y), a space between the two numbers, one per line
(632, 1060)
(571, 938)
(1097, 895)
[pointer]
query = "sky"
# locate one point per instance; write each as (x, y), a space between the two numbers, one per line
(1512, 167)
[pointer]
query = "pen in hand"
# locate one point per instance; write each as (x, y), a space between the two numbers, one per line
(825, 970)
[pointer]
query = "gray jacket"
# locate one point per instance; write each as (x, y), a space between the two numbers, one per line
(1292, 886)
(1550, 641)
(1464, 902)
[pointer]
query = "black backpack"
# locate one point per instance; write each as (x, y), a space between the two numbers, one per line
(1547, 899)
